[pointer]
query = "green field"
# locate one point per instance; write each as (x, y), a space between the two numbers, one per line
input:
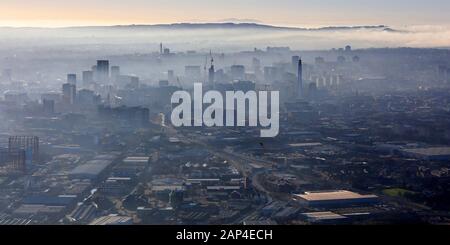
(397, 192)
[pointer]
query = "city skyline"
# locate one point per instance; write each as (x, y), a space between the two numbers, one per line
(51, 13)
(236, 113)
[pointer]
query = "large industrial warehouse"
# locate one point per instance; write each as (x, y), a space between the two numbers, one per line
(336, 198)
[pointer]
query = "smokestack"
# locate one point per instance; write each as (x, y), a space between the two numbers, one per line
(300, 80)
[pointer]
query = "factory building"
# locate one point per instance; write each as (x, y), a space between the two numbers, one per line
(336, 198)
(91, 170)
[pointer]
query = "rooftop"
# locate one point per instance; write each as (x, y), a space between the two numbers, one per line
(310, 144)
(112, 220)
(37, 208)
(136, 159)
(332, 195)
(321, 216)
(92, 168)
(259, 222)
(430, 151)
(61, 200)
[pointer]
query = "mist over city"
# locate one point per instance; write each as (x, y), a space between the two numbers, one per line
(222, 117)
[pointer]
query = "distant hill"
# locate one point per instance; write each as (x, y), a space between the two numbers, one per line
(224, 25)
(230, 35)
(231, 25)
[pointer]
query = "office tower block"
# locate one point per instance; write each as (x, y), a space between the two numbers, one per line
(69, 93)
(66, 92)
(72, 79)
(115, 73)
(48, 106)
(94, 73)
(86, 97)
(238, 72)
(103, 71)
(256, 65)
(88, 77)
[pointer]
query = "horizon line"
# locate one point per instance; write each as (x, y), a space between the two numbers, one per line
(193, 22)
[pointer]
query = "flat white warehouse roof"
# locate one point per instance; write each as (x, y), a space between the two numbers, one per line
(332, 195)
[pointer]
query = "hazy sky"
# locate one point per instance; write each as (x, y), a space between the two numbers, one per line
(280, 12)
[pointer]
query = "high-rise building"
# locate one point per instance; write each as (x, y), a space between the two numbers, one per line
(238, 72)
(300, 79)
(86, 97)
(103, 71)
(48, 106)
(88, 77)
(29, 144)
(115, 73)
(256, 65)
(69, 93)
(94, 73)
(72, 78)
